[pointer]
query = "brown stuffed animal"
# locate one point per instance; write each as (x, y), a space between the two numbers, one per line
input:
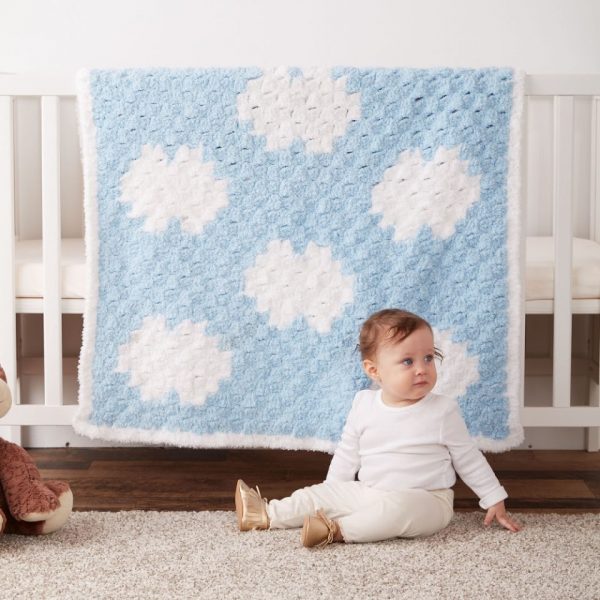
(28, 505)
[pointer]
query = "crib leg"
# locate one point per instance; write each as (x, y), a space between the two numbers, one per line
(592, 434)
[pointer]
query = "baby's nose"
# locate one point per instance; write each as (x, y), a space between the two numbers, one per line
(419, 366)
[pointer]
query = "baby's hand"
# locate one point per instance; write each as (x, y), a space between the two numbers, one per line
(498, 512)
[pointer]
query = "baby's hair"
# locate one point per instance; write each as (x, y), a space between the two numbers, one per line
(389, 325)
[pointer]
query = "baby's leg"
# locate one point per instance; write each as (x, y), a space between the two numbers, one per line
(335, 498)
(407, 513)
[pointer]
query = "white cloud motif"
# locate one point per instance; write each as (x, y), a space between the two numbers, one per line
(458, 370)
(184, 359)
(415, 193)
(289, 285)
(314, 108)
(183, 189)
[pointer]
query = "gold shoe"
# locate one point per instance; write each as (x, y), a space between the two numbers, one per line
(251, 508)
(318, 531)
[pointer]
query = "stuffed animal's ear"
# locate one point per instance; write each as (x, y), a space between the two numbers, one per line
(5, 398)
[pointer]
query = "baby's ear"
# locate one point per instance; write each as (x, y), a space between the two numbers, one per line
(370, 368)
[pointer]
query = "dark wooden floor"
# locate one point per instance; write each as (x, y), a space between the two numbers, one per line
(181, 479)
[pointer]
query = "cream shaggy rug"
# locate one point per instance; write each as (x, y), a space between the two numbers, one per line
(202, 555)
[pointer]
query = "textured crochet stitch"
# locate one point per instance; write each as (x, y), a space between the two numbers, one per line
(242, 223)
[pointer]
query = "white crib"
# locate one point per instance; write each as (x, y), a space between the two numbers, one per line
(44, 274)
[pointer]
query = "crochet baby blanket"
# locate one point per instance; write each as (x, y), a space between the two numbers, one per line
(242, 223)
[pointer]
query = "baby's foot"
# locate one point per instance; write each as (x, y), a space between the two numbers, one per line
(251, 508)
(319, 531)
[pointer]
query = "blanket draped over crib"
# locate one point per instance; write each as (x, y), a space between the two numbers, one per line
(242, 223)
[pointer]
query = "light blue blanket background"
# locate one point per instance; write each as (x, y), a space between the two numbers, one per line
(291, 386)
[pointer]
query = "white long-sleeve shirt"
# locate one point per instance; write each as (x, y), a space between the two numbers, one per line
(419, 446)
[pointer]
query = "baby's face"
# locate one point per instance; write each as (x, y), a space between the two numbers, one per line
(406, 370)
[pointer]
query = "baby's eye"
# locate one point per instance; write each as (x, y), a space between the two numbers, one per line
(407, 362)
(429, 358)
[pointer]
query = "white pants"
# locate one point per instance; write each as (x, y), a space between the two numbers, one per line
(365, 514)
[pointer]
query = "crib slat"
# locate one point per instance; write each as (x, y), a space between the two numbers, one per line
(8, 349)
(595, 172)
(51, 228)
(8, 336)
(593, 433)
(563, 249)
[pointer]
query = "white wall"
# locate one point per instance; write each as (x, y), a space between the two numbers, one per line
(537, 35)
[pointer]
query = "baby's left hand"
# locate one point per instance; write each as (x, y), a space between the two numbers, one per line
(498, 512)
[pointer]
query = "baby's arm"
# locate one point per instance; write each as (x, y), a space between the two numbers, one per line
(346, 460)
(473, 468)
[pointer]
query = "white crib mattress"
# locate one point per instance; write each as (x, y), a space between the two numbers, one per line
(539, 271)
(30, 269)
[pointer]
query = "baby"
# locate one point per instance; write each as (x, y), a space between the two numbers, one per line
(401, 447)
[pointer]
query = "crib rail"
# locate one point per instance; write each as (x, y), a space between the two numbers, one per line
(53, 412)
(561, 413)
(50, 90)
(39, 85)
(8, 331)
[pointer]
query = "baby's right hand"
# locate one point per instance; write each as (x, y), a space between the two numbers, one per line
(498, 512)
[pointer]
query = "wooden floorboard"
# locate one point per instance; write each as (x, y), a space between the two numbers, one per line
(187, 479)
